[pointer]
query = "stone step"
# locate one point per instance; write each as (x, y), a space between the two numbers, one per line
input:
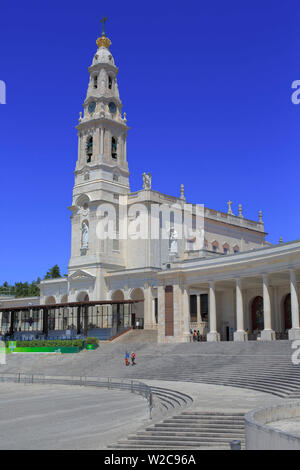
(186, 440)
(211, 413)
(192, 435)
(207, 427)
(167, 446)
(198, 421)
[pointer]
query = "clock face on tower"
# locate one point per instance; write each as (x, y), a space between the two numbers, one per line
(92, 107)
(112, 107)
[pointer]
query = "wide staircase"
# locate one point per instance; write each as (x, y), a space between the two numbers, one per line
(189, 430)
(260, 366)
(138, 336)
(265, 367)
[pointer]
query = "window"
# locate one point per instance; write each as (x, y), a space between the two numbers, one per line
(109, 82)
(95, 81)
(225, 248)
(114, 148)
(214, 246)
(89, 148)
(236, 249)
(172, 219)
(115, 177)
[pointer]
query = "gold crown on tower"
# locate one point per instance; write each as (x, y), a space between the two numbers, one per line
(103, 41)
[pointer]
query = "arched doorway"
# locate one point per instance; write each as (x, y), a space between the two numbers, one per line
(287, 312)
(257, 311)
(138, 308)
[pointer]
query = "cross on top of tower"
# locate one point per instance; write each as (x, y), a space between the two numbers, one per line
(103, 21)
(103, 41)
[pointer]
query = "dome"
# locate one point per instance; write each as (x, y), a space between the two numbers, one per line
(103, 56)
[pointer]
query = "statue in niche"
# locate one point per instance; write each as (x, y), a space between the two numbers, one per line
(147, 181)
(173, 241)
(84, 235)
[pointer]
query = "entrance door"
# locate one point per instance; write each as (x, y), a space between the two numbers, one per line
(227, 333)
(287, 312)
(169, 311)
(258, 314)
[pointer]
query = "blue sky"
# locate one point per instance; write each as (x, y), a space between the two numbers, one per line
(206, 87)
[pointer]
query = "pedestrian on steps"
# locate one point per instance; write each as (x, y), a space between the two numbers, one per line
(132, 356)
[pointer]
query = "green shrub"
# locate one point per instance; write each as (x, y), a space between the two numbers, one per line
(50, 343)
(94, 341)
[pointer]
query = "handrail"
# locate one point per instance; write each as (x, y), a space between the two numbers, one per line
(134, 386)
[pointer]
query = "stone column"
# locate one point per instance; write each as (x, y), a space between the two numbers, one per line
(267, 334)
(79, 148)
(149, 321)
(294, 332)
(186, 314)
(40, 320)
(213, 335)
(125, 147)
(97, 143)
(101, 141)
(239, 334)
(57, 312)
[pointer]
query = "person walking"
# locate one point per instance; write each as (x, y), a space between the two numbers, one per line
(127, 358)
(132, 356)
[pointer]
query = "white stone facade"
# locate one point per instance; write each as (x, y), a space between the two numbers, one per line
(234, 266)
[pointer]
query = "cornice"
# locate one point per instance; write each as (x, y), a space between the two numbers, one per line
(99, 166)
(97, 121)
(254, 259)
(103, 65)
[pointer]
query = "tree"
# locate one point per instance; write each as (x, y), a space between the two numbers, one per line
(53, 273)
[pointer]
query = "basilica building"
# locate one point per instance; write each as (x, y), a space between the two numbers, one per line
(220, 277)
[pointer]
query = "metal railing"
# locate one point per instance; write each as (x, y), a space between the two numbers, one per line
(110, 383)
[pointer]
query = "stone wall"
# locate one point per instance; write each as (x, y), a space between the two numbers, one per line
(261, 436)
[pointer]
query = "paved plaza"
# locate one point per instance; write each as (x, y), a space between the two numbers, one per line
(66, 417)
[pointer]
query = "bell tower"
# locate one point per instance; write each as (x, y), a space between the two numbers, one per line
(101, 172)
(102, 130)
